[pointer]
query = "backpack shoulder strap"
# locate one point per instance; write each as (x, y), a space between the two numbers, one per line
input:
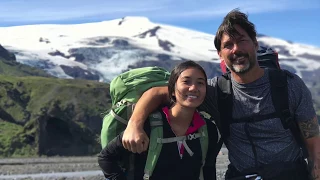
(225, 104)
(224, 83)
(279, 95)
(280, 99)
(204, 142)
(156, 124)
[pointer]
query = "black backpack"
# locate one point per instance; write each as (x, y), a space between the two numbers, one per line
(280, 99)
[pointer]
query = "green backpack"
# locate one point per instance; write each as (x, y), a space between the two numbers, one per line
(125, 91)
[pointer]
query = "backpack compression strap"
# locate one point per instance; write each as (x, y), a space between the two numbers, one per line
(125, 106)
(280, 99)
(204, 142)
(154, 147)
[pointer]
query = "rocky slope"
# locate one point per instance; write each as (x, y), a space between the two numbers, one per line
(47, 115)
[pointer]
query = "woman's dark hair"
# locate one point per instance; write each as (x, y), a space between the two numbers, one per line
(234, 17)
(175, 73)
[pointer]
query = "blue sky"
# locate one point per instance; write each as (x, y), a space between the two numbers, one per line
(294, 20)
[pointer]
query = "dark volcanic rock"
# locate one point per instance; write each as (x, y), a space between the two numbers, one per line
(96, 41)
(165, 45)
(79, 73)
(120, 42)
(163, 57)
(280, 49)
(44, 40)
(58, 53)
(121, 21)
(5, 54)
(310, 56)
(78, 57)
(152, 32)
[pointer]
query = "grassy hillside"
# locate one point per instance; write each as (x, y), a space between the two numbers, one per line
(50, 116)
(13, 68)
(44, 115)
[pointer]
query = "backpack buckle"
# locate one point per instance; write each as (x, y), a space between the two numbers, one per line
(121, 103)
(192, 136)
(146, 177)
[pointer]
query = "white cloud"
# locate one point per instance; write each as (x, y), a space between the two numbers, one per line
(40, 10)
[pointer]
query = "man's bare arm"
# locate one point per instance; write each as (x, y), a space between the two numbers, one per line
(310, 132)
(134, 138)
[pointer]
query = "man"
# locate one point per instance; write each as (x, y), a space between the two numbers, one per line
(264, 147)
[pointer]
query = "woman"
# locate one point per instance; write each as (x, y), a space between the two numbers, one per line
(181, 158)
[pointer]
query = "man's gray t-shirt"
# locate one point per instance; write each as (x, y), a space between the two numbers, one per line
(273, 143)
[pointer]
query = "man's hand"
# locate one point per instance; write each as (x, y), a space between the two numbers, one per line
(134, 138)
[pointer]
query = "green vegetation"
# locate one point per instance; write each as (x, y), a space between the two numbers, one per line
(13, 68)
(33, 110)
(44, 115)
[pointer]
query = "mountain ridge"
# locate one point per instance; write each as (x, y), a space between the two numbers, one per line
(101, 50)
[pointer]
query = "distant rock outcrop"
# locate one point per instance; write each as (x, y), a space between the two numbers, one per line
(151, 32)
(165, 45)
(45, 40)
(5, 54)
(79, 73)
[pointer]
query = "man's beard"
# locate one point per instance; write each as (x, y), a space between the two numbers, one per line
(240, 68)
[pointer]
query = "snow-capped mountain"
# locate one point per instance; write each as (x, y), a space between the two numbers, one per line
(102, 50)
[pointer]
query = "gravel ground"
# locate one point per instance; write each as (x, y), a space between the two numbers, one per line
(14, 168)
